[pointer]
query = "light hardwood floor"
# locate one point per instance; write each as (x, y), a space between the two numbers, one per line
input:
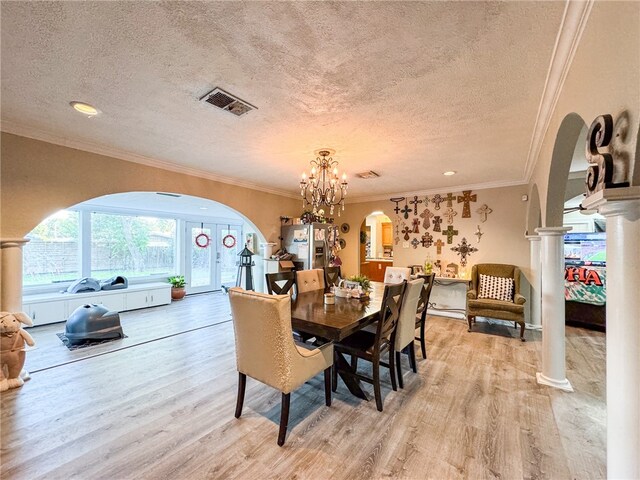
(164, 409)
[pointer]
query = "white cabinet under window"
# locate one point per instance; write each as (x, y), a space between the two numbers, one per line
(56, 307)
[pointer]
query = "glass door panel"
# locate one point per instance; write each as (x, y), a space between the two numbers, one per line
(201, 267)
(230, 245)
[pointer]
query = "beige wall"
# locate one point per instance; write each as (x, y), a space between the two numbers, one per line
(603, 78)
(39, 178)
(503, 240)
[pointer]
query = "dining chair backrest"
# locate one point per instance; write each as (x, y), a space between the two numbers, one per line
(264, 341)
(406, 329)
(423, 304)
(397, 274)
(281, 283)
(309, 280)
(331, 276)
(389, 312)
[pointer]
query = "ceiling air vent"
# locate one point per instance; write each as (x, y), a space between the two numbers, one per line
(367, 175)
(227, 102)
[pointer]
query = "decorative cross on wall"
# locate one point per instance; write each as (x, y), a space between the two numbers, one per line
(397, 200)
(449, 213)
(439, 244)
(437, 200)
(406, 230)
(427, 240)
(450, 233)
(427, 215)
(437, 220)
(415, 203)
(450, 198)
(478, 233)
(405, 210)
(464, 249)
(416, 225)
(426, 200)
(415, 242)
(484, 210)
(466, 197)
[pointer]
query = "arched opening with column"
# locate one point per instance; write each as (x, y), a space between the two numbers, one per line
(534, 210)
(534, 221)
(375, 244)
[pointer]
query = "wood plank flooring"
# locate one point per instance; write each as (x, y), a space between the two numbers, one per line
(164, 409)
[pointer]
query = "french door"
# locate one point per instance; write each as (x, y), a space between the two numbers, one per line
(211, 256)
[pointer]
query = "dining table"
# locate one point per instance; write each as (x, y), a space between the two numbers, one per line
(334, 322)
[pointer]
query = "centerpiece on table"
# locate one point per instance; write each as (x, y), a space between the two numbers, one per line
(356, 286)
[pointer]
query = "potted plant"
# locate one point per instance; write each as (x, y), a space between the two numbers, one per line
(363, 281)
(177, 287)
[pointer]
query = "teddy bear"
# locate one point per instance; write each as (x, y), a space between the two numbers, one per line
(12, 348)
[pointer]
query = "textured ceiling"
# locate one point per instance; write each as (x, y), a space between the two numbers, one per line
(406, 89)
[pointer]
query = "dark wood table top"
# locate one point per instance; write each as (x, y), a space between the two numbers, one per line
(310, 315)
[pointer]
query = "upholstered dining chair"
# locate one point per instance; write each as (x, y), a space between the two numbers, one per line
(281, 283)
(370, 346)
(397, 274)
(481, 299)
(309, 280)
(331, 276)
(265, 349)
(406, 328)
(421, 311)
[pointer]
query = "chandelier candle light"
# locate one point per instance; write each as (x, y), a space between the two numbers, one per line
(324, 187)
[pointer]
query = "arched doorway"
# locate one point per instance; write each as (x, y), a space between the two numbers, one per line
(534, 211)
(144, 236)
(376, 243)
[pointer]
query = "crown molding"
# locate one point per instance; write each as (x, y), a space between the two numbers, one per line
(574, 19)
(37, 134)
(454, 188)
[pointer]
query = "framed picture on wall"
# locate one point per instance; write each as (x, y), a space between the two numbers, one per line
(417, 269)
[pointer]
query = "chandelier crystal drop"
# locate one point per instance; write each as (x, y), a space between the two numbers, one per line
(323, 187)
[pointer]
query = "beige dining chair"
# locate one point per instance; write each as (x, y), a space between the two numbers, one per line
(406, 328)
(397, 274)
(265, 350)
(309, 280)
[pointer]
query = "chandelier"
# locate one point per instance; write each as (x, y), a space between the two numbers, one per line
(324, 188)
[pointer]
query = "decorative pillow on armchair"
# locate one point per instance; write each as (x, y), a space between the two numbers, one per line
(497, 288)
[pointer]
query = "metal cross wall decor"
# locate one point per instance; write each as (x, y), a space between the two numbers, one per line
(405, 210)
(437, 220)
(450, 233)
(406, 230)
(484, 210)
(449, 213)
(464, 250)
(427, 240)
(416, 225)
(415, 242)
(450, 198)
(427, 215)
(397, 200)
(439, 244)
(437, 200)
(415, 203)
(478, 233)
(465, 198)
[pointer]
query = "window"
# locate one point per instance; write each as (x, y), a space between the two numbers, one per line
(132, 246)
(53, 253)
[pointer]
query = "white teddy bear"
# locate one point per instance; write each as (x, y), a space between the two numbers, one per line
(12, 348)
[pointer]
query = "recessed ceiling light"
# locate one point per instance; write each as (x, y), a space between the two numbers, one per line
(85, 108)
(449, 173)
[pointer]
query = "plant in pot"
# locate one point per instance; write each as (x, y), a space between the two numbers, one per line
(177, 287)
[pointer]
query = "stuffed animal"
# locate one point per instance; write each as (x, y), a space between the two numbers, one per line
(12, 348)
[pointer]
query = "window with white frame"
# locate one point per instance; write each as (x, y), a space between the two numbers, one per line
(74, 244)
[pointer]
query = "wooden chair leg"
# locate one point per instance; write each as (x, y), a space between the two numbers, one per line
(399, 370)
(327, 386)
(469, 320)
(284, 417)
(376, 383)
(242, 384)
(412, 358)
(522, 332)
(423, 347)
(392, 369)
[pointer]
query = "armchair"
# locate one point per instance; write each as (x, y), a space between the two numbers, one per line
(489, 307)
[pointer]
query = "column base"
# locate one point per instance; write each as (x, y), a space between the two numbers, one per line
(564, 385)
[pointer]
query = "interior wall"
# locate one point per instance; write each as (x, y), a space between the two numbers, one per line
(40, 178)
(503, 239)
(603, 78)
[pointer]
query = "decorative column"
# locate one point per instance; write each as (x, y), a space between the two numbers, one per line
(535, 306)
(11, 295)
(552, 311)
(621, 207)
